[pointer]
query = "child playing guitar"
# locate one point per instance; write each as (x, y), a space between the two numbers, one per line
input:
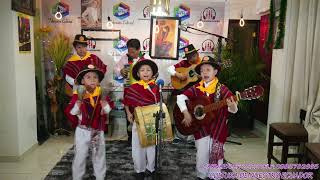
(192, 59)
(209, 140)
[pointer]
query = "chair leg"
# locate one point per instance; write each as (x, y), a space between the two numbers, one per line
(284, 155)
(270, 145)
(285, 149)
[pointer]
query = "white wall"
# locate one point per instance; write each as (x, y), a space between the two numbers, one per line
(248, 7)
(18, 128)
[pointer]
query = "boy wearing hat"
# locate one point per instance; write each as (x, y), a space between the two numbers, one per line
(79, 60)
(142, 93)
(209, 139)
(192, 57)
(87, 112)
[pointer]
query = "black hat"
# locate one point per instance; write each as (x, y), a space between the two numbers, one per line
(208, 60)
(89, 68)
(141, 62)
(80, 39)
(189, 50)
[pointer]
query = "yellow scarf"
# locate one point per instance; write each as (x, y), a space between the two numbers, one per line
(144, 84)
(76, 57)
(87, 95)
(211, 88)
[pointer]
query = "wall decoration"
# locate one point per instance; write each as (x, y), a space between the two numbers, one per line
(24, 6)
(281, 25)
(164, 37)
(91, 14)
(102, 35)
(276, 29)
(24, 33)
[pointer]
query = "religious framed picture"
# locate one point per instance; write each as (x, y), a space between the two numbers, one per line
(24, 6)
(91, 14)
(164, 37)
(24, 33)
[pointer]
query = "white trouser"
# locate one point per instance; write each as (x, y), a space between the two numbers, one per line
(143, 158)
(203, 146)
(82, 144)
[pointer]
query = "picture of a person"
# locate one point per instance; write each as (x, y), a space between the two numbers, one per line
(163, 43)
(91, 16)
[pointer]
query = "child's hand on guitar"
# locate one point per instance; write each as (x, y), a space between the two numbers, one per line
(181, 76)
(232, 104)
(130, 117)
(187, 118)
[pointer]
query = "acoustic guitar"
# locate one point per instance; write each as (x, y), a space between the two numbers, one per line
(192, 77)
(203, 111)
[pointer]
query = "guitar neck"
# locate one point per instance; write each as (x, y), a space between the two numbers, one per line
(219, 104)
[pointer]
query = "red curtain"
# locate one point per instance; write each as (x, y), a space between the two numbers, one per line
(263, 36)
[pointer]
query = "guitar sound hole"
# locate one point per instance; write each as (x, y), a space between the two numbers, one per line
(191, 73)
(199, 112)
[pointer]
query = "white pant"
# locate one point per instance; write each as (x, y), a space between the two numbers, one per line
(203, 146)
(143, 158)
(82, 144)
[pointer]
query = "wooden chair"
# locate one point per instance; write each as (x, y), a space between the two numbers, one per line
(291, 134)
(312, 154)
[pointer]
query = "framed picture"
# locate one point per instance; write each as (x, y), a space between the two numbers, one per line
(164, 37)
(24, 6)
(91, 14)
(24, 34)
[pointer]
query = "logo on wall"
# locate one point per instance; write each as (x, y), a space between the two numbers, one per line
(145, 44)
(207, 46)
(121, 11)
(61, 7)
(182, 11)
(183, 42)
(121, 44)
(208, 14)
(64, 9)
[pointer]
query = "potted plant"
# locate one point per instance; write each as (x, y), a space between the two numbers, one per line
(239, 73)
(58, 50)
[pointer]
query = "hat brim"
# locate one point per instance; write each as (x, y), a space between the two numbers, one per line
(214, 65)
(80, 42)
(137, 66)
(83, 72)
(191, 53)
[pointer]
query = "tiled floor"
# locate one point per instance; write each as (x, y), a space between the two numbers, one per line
(38, 163)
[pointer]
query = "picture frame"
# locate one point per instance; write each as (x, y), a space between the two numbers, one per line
(24, 6)
(91, 14)
(24, 35)
(164, 37)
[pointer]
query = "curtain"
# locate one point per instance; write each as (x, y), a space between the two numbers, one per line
(263, 36)
(302, 71)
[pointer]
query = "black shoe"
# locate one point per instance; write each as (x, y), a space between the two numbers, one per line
(150, 175)
(140, 176)
(202, 179)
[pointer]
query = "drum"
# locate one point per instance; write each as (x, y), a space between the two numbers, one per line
(145, 120)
